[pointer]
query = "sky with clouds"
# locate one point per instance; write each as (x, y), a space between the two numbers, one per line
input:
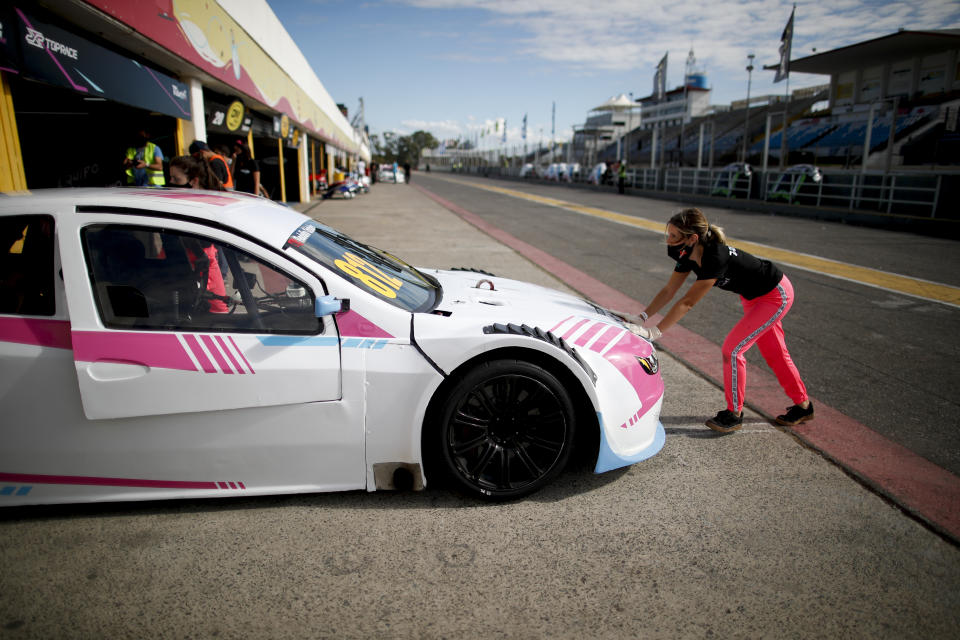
(453, 67)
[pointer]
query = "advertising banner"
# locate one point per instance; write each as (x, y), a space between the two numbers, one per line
(204, 34)
(42, 51)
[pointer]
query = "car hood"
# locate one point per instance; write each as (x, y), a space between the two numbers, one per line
(489, 298)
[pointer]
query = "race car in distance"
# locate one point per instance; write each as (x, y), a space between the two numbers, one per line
(162, 343)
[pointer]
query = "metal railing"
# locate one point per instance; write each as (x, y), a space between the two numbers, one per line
(905, 193)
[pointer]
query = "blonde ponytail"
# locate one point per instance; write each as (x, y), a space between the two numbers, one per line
(692, 221)
(715, 234)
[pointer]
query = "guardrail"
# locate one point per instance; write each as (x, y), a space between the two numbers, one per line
(906, 193)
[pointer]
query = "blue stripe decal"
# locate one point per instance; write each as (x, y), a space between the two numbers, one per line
(321, 341)
(20, 491)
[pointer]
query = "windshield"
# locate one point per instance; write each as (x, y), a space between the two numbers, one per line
(371, 269)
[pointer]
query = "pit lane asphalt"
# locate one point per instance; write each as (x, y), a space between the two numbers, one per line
(741, 536)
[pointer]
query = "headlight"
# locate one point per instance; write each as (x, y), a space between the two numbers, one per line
(650, 364)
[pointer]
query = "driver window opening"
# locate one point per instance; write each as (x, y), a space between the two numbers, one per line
(26, 266)
(166, 280)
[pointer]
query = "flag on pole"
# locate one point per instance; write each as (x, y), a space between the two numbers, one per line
(524, 134)
(783, 70)
(553, 121)
(503, 139)
(660, 78)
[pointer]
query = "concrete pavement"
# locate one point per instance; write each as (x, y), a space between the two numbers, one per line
(742, 536)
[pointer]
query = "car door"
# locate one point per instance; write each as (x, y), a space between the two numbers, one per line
(175, 317)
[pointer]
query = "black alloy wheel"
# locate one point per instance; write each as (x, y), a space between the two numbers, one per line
(507, 429)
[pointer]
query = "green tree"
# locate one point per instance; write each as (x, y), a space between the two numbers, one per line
(401, 149)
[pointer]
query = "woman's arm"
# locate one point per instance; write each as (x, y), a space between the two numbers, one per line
(666, 294)
(687, 302)
(256, 183)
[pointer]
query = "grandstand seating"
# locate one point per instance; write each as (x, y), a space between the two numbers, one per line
(828, 139)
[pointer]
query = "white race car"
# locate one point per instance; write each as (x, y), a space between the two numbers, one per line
(176, 343)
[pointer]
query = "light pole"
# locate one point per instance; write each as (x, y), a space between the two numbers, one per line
(746, 118)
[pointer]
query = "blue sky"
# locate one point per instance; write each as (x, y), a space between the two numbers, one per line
(453, 67)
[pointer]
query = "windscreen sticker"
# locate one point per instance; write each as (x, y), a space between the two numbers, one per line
(368, 274)
(301, 235)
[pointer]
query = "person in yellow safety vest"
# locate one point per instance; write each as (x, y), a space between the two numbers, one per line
(143, 162)
(217, 163)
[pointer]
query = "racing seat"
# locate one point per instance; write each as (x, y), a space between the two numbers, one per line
(117, 258)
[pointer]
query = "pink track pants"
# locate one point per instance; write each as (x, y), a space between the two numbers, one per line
(761, 324)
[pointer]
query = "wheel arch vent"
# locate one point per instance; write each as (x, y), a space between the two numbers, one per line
(545, 336)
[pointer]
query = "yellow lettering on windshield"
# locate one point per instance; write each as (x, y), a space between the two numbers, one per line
(374, 278)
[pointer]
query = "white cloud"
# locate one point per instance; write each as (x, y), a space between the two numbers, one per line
(629, 37)
(632, 35)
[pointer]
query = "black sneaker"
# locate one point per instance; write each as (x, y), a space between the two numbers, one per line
(725, 421)
(795, 415)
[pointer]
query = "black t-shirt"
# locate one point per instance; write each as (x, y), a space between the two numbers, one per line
(734, 269)
(219, 168)
(243, 174)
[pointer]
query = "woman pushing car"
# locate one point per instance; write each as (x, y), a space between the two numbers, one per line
(766, 295)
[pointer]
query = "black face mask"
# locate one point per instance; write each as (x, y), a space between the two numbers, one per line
(679, 252)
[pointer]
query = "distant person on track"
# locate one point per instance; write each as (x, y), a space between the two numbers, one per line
(766, 295)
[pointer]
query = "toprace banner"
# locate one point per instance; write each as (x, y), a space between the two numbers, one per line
(42, 51)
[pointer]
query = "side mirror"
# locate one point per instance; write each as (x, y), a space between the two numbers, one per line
(329, 305)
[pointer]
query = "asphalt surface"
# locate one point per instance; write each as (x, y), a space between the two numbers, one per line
(885, 359)
(741, 536)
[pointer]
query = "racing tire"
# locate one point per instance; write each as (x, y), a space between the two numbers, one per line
(507, 429)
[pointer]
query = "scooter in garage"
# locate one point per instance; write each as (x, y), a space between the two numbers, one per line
(346, 189)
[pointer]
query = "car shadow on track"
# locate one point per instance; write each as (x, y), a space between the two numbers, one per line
(573, 481)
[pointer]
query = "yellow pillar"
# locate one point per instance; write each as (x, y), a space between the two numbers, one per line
(313, 165)
(179, 138)
(12, 177)
(250, 144)
(283, 182)
(304, 197)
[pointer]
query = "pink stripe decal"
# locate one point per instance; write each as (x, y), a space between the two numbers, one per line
(605, 338)
(245, 361)
(574, 328)
(561, 323)
(226, 350)
(212, 347)
(197, 351)
(589, 333)
(354, 325)
(161, 350)
(187, 194)
(42, 333)
(34, 478)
